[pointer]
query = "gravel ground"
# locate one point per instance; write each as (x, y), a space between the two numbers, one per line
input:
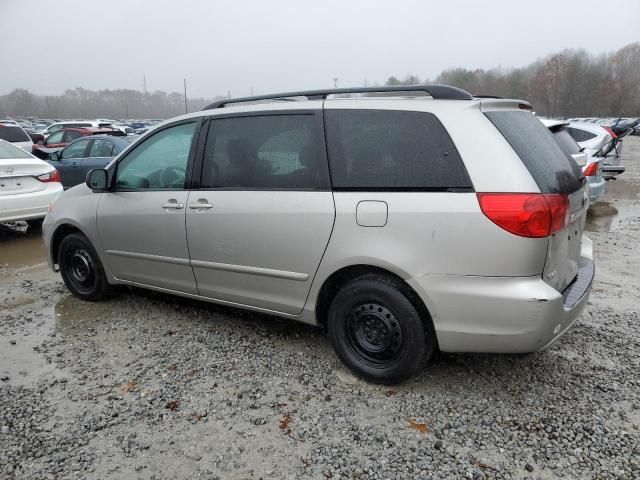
(148, 386)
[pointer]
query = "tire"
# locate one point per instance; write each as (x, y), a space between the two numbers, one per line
(35, 224)
(81, 269)
(377, 331)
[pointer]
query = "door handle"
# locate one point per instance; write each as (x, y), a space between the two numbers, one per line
(199, 206)
(173, 205)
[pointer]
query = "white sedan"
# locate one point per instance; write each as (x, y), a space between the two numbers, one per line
(27, 185)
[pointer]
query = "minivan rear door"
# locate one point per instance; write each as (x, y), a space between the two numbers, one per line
(260, 221)
(555, 172)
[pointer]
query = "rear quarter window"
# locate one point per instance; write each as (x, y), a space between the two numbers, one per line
(553, 170)
(392, 150)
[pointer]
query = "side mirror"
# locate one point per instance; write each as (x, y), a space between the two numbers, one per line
(97, 180)
(55, 156)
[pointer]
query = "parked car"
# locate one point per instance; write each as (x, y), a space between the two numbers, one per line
(27, 185)
(54, 127)
(382, 219)
(60, 139)
(14, 133)
(591, 165)
(598, 141)
(86, 153)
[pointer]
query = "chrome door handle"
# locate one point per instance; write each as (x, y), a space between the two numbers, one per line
(198, 206)
(174, 205)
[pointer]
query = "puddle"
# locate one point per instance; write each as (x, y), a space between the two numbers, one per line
(622, 190)
(22, 362)
(21, 246)
(604, 217)
(16, 302)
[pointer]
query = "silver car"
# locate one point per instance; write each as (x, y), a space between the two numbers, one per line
(381, 219)
(590, 163)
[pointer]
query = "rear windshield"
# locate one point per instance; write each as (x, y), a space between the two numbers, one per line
(9, 151)
(13, 134)
(580, 135)
(552, 168)
(566, 141)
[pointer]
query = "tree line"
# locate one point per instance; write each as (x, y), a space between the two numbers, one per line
(570, 83)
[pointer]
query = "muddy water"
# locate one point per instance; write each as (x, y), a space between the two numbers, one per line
(620, 202)
(21, 246)
(21, 359)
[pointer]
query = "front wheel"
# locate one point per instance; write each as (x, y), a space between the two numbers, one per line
(81, 268)
(377, 331)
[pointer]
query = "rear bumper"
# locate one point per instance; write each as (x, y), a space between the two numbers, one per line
(610, 171)
(504, 314)
(28, 206)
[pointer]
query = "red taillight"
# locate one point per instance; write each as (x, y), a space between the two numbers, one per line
(591, 170)
(53, 176)
(531, 215)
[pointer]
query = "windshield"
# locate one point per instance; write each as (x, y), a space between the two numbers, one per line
(13, 134)
(10, 151)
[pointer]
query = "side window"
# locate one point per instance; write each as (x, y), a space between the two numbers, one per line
(55, 138)
(75, 150)
(269, 151)
(159, 162)
(70, 136)
(101, 147)
(379, 149)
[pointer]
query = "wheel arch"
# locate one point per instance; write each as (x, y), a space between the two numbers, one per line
(59, 233)
(340, 277)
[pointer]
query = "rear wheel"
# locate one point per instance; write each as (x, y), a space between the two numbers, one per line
(377, 331)
(81, 268)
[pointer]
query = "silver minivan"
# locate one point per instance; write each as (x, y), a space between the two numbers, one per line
(401, 221)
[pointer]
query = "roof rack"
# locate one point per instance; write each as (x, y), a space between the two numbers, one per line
(438, 92)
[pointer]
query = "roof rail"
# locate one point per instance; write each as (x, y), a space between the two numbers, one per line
(439, 92)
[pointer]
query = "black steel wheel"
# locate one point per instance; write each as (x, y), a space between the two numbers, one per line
(81, 268)
(377, 330)
(374, 333)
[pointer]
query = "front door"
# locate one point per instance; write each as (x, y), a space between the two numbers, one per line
(141, 222)
(69, 161)
(260, 222)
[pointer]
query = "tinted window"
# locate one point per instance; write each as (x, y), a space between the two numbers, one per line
(70, 136)
(13, 134)
(566, 141)
(55, 137)
(371, 149)
(159, 162)
(10, 151)
(274, 151)
(102, 148)
(580, 135)
(551, 167)
(75, 150)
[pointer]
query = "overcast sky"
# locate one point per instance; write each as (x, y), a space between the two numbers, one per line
(278, 45)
